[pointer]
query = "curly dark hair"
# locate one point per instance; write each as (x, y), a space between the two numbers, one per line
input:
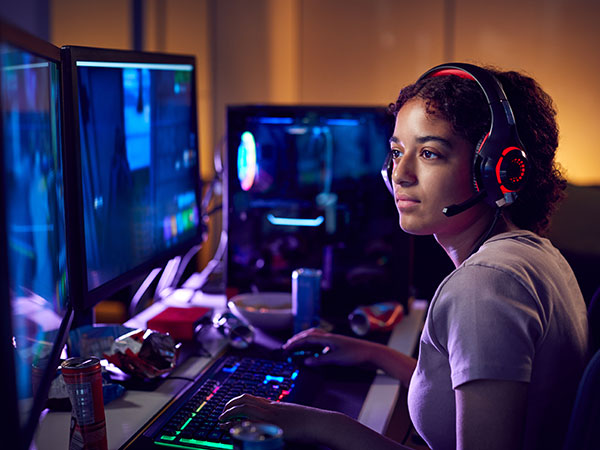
(461, 102)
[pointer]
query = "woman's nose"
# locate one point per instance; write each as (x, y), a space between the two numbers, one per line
(403, 172)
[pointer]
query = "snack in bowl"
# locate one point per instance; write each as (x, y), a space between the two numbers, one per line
(269, 311)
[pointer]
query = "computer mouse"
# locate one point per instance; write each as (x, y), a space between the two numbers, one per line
(298, 355)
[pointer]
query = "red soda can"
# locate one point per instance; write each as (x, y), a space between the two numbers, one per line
(83, 378)
(378, 317)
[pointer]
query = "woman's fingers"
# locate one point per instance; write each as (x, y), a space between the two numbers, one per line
(310, 336)
(294, 420)
(243, 406)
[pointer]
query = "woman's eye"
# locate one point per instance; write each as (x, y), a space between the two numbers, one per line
(428, 154)
(396, 153)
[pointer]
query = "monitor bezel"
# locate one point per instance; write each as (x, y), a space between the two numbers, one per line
(25, 41)
(88, 298)
(8, 374)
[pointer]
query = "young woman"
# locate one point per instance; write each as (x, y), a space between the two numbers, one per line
(505, 339)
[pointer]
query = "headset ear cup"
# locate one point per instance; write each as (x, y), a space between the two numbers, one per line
(513, 169)
(386, 172)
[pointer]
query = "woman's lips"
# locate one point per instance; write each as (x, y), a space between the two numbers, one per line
(405, 201)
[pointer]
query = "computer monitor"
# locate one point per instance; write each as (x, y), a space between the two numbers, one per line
(34, 302)
(133, 157)
(304, 190)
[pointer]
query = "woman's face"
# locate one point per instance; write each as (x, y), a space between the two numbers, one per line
(432, 170)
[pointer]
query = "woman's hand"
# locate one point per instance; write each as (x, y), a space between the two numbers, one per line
(306, 425)
(343, 350)
(349, 351)
(299, 423)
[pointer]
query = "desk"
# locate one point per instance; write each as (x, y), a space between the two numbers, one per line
(126, 415)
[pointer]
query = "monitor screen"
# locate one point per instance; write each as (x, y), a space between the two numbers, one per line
(34, 214)
(304, 190)
(136, 147)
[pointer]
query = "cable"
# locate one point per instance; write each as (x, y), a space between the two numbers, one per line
(134, 305)
(201, 278)
(487, 234)
(184, 263)
(178, 378)
(210, 212)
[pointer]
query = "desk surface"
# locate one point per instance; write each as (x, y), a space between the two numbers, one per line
(126, 415)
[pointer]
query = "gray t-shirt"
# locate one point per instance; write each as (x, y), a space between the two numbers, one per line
(512, 311)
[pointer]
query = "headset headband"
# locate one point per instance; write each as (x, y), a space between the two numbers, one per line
(500, 108)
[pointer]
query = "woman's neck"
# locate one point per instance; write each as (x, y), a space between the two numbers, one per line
(461, 245)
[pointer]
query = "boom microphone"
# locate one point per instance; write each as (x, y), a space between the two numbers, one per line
(453, 210)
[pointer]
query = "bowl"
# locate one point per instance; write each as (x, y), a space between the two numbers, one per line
(269, 311)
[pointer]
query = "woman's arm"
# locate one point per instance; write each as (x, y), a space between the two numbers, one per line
(392, 362)
(348, 434)
(490, 414)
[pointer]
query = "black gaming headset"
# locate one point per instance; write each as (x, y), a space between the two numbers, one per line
(500, 165)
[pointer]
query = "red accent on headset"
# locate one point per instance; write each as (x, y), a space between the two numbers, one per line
(458, 72)
(487, 135)
(499, 163)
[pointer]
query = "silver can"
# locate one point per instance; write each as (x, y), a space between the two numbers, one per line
(238, 333)
(256, 436)
(306, 298)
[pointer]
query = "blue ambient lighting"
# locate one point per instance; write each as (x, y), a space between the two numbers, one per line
(294, 222)
(276, 120)
(343, 122)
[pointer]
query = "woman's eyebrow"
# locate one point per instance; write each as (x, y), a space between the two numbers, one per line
(429, 138)
(423, 139)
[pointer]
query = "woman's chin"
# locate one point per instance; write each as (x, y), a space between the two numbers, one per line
(412, 229)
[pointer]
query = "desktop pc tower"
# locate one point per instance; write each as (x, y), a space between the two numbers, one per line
(303, 189)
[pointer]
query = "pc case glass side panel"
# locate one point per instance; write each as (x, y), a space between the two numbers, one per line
(30, 108)
(139, 158)
(304, 190)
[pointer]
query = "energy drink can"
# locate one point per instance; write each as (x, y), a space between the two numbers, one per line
(256, 436)
(306, 298)
(83, 379)
(377, 317)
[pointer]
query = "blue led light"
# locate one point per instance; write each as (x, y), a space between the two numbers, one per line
(295, 375)
(247, 163)
(276, 120)
(272, 378)
(343, 122)
(295, 222)
(230, 369)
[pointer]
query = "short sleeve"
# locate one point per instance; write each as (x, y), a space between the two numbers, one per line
(488, 323)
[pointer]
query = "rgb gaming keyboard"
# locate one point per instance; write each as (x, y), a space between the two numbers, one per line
(191, 423)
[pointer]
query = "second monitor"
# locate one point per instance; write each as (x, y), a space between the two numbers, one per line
(134, 163)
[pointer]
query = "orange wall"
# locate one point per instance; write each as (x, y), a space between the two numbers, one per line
(94, 24)
(557, 43)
